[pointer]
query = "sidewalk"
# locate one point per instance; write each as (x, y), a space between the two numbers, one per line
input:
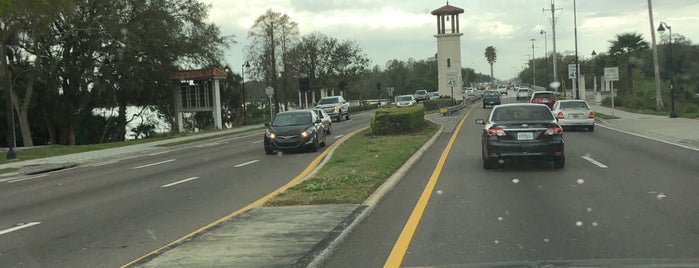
(682, 131)
(35, 166)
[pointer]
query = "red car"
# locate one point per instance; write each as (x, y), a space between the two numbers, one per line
(544, 97)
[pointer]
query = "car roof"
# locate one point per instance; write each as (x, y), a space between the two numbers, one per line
(295, 111)
(572, 101)
(519, 105)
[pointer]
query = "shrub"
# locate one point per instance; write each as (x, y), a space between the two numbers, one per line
(398, 120)
(363, 107)
(431, 105)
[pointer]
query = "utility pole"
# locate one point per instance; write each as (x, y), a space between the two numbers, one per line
(533, 65)
(577, 63)
(553, 29)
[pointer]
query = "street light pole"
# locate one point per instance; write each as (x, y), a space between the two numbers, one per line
(245, 65)
(546, 57)
(11, 154)
(533, 64)
(577, 62)
(661, 29)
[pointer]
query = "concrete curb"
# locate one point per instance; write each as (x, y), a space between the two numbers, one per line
(324, 249)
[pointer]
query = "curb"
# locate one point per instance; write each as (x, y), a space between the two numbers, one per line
(324, 249)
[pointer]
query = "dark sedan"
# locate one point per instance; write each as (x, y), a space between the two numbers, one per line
(521, 131)
(294, 130)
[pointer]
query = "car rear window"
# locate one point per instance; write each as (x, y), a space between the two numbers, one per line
(491, 93)
(574, 105)
(545, 95)
(522, 113)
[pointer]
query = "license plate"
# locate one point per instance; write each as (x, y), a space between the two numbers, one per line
(576, 116)
(525, 136)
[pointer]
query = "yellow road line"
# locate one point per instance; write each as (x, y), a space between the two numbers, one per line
(401, 245)
(254, 204)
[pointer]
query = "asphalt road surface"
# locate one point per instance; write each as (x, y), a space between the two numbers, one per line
(109, 213)
(619, 196)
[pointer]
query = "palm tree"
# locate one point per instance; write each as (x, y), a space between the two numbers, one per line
(628, 47)
(491, 56)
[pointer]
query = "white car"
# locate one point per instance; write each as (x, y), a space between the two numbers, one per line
(574, 113)
(502, 90)
(405, 101)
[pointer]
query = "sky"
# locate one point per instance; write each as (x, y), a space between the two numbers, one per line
(404, 29)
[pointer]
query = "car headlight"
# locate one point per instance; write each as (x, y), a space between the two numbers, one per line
(335, 109)
(307, 133)
(270, 135)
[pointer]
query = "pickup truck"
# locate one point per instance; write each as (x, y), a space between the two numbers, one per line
(336, 106)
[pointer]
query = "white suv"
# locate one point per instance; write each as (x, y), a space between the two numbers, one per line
(335, 106)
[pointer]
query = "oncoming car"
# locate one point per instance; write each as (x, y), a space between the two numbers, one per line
(405, 101)
(294, 130)
(521, 131)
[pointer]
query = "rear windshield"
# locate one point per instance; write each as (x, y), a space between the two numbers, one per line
(522, 113)
(545, 95)
(573, 105)
(491, 93)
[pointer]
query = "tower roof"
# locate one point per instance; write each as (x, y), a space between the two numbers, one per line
(447, 10)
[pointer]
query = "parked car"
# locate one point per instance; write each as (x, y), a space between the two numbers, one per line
(294, 130)
(523, 94)
(434, 95)
(544, 97)
(405, 101)
(325, 118)
(335, 106)
(574, 113)
(491, 98)
(521, 131)
(421, 95)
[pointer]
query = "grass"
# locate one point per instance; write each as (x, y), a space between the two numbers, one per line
(605, 116)
(359, 166)
(8, 170)
(57, 150)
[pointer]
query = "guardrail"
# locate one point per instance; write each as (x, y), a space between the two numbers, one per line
(453, 109)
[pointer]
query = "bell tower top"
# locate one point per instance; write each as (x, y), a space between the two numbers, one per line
(446, 13)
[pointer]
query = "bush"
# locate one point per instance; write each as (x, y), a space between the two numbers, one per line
(398, 120)
(363, 107)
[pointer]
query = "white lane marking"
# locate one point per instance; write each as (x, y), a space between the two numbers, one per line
(650, 138)
(339, 136)
(153, 164)
(19, 227)
(105, 163)
(255, 142)
(246, 163)
(593, 161)
(178, 182)
(157, 153)
(26, 178)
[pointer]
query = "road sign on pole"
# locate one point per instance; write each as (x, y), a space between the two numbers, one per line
(611, 73)
(572, 71)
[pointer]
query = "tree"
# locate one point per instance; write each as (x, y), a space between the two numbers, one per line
(491, 56)
(271, 36)
(628, 48)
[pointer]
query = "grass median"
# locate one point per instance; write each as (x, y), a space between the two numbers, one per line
(357, 167)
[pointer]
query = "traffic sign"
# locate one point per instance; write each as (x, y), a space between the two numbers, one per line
(572, 71)
(269, 91)
(452, 80)
(611, 73)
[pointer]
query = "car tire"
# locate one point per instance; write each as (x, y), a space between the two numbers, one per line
(269, 150)
(339, 117)
(591, 128)
(559, 162)
(324, 143)
(347, 116)
(487, 163)
(327, 131)
(484, 105)
(314, 146)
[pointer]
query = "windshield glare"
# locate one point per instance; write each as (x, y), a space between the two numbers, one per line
(291, 119)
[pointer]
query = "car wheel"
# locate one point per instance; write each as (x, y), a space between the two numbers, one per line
(324, 140)
(559, 162)
(487, 163)
(327, 131)
(314, 146)
(347, 116)
(339, 117)
(591, 128)
(269, 150)
(484, 105)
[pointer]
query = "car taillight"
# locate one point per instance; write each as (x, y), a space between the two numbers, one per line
(591, 115)
(560, 115)
(496, 131)
(554, 131)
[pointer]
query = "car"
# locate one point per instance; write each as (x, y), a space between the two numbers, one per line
(519, 131)
(434, 95)
(405, 101)
(491, 98)
(523, 94)
(574, 113)
(335, 106)
(502, 90)
(420, 95)
(294, 130)
(544, 97)
(325, 118)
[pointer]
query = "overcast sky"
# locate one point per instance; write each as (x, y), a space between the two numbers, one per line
(403, 29)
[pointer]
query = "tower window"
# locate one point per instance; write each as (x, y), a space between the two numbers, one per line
(448, 63)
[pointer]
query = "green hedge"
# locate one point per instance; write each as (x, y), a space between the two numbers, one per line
(363, 107)
(431, 105)
(398, 120)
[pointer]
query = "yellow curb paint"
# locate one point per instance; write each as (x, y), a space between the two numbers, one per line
(401, 245)
(254, 204)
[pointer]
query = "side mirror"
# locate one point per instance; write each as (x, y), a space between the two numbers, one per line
(267, 124)
(480, 121)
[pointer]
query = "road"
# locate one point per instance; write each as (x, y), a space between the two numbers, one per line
(619, 196)
(109, 213)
